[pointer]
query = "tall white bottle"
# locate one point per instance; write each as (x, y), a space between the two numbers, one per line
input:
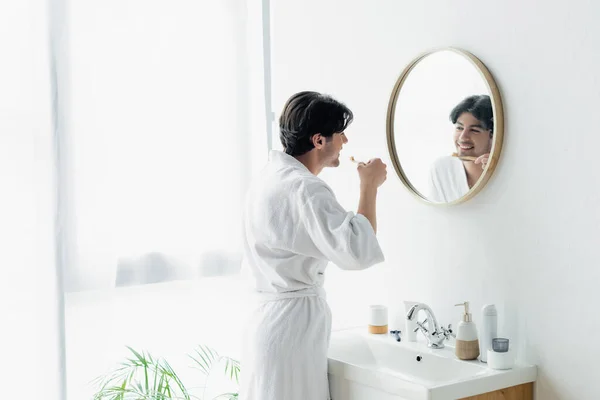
(489, 330)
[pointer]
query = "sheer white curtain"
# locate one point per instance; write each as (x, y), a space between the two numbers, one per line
(158, 140)
(129, 130)
(30, 300)
(163, 125)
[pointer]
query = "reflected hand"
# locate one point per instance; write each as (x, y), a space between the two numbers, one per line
(483, 160)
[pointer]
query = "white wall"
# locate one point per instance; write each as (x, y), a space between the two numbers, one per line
(529, 241)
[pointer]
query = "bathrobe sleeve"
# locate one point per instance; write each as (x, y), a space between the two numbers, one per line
(343, 237)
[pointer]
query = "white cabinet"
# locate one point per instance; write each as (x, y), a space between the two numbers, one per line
(343, 389)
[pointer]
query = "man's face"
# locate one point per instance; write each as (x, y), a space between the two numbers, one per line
(470, 137)
(332, 149)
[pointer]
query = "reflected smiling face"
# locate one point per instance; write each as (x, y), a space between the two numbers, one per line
(470, 136)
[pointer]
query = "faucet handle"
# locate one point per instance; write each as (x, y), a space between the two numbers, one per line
(448, 332)
(421, 326)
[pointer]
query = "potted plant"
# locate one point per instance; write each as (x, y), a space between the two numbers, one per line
(144, 377)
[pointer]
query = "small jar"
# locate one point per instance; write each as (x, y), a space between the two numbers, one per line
(500, 345)
(378, 319)
(500, 356)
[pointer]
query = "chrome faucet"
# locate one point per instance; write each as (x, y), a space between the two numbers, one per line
(434, 333)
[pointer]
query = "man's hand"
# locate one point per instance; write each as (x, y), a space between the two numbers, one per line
(373, 173)
(483, 160)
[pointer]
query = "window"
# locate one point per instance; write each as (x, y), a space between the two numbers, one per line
(157, 140)
(163, 107)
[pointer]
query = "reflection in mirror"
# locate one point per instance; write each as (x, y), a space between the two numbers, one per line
(451, 177)
(441, 130)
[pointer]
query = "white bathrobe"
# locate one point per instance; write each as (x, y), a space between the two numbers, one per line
(293, 227)
(447, 180)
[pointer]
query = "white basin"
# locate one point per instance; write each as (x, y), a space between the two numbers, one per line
(382, 363)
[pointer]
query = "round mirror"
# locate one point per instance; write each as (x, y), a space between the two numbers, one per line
(445, 126)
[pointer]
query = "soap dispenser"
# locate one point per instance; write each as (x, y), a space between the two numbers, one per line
(467, 344)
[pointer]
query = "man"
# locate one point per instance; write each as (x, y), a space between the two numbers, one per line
(293, 227)
(451, 178)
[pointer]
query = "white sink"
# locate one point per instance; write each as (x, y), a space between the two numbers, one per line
(411, 370)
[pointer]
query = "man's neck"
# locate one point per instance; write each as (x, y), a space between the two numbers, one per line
(473, 171)
(311, 162)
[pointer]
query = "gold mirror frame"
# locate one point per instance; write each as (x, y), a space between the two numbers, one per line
(498, 126)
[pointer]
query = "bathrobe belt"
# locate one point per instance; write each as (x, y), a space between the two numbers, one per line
(315, 291)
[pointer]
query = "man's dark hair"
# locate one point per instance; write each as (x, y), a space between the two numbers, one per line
(478, 105)
(306, 114)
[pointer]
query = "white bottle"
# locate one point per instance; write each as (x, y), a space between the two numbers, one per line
(489, 330)
(467, 344)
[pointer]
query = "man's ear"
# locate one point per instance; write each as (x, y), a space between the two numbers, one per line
(318, 140)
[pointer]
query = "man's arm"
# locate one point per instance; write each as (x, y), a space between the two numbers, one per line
(372, 175)
(367, 204)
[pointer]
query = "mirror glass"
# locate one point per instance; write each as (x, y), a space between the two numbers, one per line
(443, 128)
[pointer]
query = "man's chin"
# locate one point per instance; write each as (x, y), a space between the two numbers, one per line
(467, 153)
(335, 163)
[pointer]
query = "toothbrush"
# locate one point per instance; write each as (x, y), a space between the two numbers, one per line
(465, 158)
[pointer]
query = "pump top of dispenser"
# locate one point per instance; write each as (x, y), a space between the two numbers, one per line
(467, 317)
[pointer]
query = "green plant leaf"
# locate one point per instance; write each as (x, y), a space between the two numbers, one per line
(232, 368)
(226, 396)
(144, 377)
(155, 383)
(205, 358)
